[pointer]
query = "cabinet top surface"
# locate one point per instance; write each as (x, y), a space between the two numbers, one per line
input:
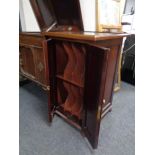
(90, 36)
(31, 34)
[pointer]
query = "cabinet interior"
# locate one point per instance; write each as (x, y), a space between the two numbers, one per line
(70, 74)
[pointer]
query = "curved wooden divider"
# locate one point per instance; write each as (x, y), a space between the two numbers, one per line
(70, 72)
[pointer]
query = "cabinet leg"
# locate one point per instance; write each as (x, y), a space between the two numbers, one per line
(82, 133)
(110, 110)
(49, 118)
(49, 107)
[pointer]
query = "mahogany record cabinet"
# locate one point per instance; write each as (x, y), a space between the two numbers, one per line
(76, 68)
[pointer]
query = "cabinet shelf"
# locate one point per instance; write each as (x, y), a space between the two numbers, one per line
(69, 81)
(70, 98)
(69, 115)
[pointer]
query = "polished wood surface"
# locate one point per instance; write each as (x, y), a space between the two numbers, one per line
(30, 39)
(32, 58)
(88, 36)
(27, 65)
(95, 74)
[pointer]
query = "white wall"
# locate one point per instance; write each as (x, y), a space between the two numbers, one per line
(28, 20)
(88, 14)
(29, 23)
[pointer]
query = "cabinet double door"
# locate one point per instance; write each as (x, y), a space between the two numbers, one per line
(78, 76)
(33, 63)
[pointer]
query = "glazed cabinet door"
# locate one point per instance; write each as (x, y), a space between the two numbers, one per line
(95, 75)
(27, 62)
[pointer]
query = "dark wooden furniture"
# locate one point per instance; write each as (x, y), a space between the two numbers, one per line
(52, 15)
(82, 68)
(34, 61)
(78, 68)
(32, 57)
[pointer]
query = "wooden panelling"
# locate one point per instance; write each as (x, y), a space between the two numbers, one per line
(32, 58)
(30, 40)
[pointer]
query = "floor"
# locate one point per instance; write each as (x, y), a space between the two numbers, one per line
(38, 137)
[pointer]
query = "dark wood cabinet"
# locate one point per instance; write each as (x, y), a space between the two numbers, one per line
(32, 58)
(82, 67)
(77, 68)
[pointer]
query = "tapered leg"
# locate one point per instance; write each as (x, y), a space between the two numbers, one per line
(82, 133)
(49, 106)
(110, 110)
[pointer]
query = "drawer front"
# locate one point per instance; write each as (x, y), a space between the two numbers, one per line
(33, 41)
